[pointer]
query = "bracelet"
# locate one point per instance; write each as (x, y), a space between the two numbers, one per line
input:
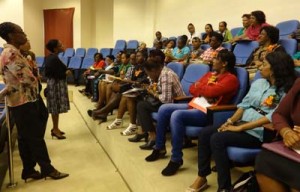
(286, 132)
(229, 121)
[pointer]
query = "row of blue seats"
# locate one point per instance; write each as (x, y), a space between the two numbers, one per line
(72, 63)
(242, 51)
(286, 28)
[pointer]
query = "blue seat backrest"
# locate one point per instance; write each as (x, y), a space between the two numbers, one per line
(243, 76)
(120, 44)
(40, 61)
(132, 44)
(65, 60)
(1, 49)
(227, 46)
(80, 52)
(290, 45)
(2, 85)
(105, 52)
(286, 28)
(243, 50)
(192, 73)
(75, 63)
(69, 52)
(235, 30)
(178, 68)
(61, 54)
(91, 52)
(87, 62)
(115, 52)
(205, 46)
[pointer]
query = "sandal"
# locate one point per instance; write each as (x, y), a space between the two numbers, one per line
(130, 130)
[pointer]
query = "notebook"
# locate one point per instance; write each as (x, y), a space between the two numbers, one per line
(279, 148)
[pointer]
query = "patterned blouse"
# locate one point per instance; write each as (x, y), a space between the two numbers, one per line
(18, 76)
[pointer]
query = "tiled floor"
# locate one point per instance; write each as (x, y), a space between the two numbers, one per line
(102, 160)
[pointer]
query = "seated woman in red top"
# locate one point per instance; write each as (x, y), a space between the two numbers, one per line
(257, 20)
(275, 172)
(99, 64)
(218, 86)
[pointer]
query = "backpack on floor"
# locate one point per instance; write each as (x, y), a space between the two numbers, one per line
(246, 183)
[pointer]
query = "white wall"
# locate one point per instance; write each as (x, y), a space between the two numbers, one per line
(130, 20)
(99, 23)
(104, 23)
(6, 13)
(34, 25)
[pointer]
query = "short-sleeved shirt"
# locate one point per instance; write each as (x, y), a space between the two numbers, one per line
(257, 96)
(18, 76)
(168, 86)
(210, 53)
(180, 53)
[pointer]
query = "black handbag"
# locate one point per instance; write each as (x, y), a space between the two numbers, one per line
(246, 183)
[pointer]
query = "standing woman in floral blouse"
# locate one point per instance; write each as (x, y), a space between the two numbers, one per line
(27, 108)
(57, 90)
(255, 110)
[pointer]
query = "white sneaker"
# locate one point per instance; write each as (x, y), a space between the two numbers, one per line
(116, 124)
(130, 130)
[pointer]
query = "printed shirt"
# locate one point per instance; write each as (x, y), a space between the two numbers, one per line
(168, 86)
(259, 92)
(210, 53)
(18, 77)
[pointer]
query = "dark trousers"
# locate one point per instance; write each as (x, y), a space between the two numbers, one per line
(213, 143)
(144, 111)
(31, 119)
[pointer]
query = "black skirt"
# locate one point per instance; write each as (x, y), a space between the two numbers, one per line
(279, 168)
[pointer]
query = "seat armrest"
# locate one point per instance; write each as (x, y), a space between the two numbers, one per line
(269, 126)
(181, 99)
(217, 115)
(218, 108)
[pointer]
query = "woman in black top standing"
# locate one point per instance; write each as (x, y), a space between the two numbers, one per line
(57, 90)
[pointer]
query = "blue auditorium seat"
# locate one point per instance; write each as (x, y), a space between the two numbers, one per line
(69, 52)
(91, 52)
(286, 28)
(243, 50)
(105, 52)
(80, 52)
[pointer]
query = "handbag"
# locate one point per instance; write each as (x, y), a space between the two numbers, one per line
(246, 183)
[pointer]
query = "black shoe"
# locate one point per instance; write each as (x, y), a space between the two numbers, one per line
(171, 168)
(103, 118)
(31, 175)
(148, 146)
(139, 137)
(156, 154)
(55, 175)
(90, 112)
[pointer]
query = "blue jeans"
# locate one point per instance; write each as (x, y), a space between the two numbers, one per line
(163, 120)
(180, 119)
